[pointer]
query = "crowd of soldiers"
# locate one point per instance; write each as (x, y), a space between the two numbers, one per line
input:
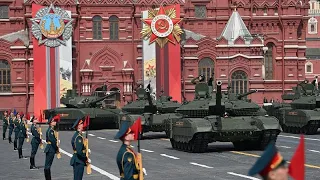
(270, 166)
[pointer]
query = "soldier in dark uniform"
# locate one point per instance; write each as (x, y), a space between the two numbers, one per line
(22, 134)
(35, 142)
(79, 158)
(11, 127)
(201, 78)
(271, 165)
(51, 148)
(5, 124)
(16, 130)
(126, 159)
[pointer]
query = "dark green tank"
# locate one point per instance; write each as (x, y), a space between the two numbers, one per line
(152, 112)
(212, 117)
(302, 114)
(80, 106)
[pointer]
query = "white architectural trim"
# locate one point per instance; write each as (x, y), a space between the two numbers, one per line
(191, 58)
(190, 46)
(313, 22)
(18, 47)
(242, 55)
(295, 46)
(19, 59)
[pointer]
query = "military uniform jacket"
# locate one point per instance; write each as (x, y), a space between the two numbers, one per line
(51, 140)
(11, 124)
(79, 150)
(36, 135)
(16, 123)
(127, 163)
(5, 122)
(22, 130)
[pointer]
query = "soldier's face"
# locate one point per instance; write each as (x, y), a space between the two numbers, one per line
(280, 173)
(53, 123)
(5, 113)
(129, 137)
(80, 127)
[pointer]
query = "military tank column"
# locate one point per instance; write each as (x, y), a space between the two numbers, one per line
(205, 121)
(81, 106)
(152, 112)
(302, 114)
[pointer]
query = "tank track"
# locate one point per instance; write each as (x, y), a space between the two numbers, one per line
(266, 137)
(199, 143)
(310, 128)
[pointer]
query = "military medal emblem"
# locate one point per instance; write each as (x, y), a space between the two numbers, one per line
(162, 26)
(52, 26)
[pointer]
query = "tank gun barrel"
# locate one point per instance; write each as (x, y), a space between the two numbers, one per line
(246, 94)
(218, 98)
(93, 103)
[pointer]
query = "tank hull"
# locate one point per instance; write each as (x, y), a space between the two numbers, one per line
(245, 132)
(295, 121)
(99, 118)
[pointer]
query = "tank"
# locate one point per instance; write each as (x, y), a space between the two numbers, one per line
(302, 113)
(213, 117)
(152, 112)
(80, 106)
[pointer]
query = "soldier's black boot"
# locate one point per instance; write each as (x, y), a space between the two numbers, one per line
(4, 136)
(47, 174)
(10, 140)
(15, 145)
(32, 164)
(20, 153)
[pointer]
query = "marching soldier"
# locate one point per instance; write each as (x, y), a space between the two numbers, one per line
(35, 142)
(5, 124)
(16, 130)
(51, 147)
(22, 134)
(79, 158)
(11, 127)
(271, 165)
(127, 159)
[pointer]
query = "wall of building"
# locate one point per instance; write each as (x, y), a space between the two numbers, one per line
(118, 62)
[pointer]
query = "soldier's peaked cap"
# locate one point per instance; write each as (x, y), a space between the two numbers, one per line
(270, 159)
(124, 129)
(53, 118)
(77, 122)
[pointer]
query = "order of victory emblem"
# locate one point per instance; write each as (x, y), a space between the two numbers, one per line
(52, 26)
(162, 26)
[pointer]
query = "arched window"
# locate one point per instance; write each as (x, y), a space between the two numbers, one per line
(206, 68)
(239, 82)
(97, 27)
(5, 77)
(114, 27)
(269, 62)
(265, 11)
(309, 67)
(276, 11)
(312, 26)
(254, 10)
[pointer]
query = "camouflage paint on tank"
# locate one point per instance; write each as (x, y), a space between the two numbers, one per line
(302, 114)
(212, 117)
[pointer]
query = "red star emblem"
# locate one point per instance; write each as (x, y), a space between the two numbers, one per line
(162, 26)
(150, 67)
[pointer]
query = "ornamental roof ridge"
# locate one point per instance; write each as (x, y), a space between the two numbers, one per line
(236, 28)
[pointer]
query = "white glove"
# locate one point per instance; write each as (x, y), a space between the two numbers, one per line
(27, 129)
(59, 141)
(144, 171)
(89, 151)
(89, 161)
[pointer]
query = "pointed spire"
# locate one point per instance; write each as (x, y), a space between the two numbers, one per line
(236, 28)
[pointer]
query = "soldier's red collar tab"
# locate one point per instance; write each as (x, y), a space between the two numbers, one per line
(274, 164)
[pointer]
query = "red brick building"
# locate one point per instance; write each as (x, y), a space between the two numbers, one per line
(312, 66)
(268, 53)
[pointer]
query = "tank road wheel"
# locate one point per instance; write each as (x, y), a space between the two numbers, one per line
(167, 134)
(189, 147)
(284, 128)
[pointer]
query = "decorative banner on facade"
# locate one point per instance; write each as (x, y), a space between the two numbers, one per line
(163, 61)
(162, 26)
(149, 61)
(65, 71)
(51, 27)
